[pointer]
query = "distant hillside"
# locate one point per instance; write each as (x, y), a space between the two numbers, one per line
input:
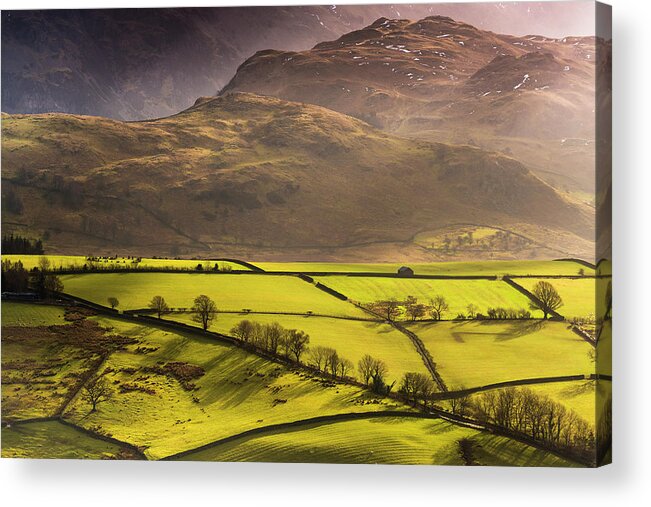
(266, 178)
(443, 80)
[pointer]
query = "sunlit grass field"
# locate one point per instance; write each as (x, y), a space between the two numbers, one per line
(238, 392)
(470, 268)
(474, 354)
(352, 339)
(262, 293)
(51, 439)
(458, 293)
(578, 294)
(390, 440)
(31, 315)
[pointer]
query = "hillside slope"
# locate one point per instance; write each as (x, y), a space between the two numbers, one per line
(265, 178)
(443, 80)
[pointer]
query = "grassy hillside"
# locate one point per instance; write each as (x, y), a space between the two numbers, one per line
(53, 440)
(444, 80)
(230, 174)
(351, 339)
(479, 353)
(261, 293)
(388, 440)
(237, 392)
(458, 293)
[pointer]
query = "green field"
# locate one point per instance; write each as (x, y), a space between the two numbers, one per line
(52, 439)
(474, 353)
(569, 268)
(31, 315)
(238, 392)
(388, 440)
(262, 293)
(458, 293)
(352, 339)
(578, 295)
(78, 261)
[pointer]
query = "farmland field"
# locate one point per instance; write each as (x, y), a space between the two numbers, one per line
(262, 293)
(458, 293)
(52, 439)
(388, 440)
(352, 339)
(31, 315)
(578, 295)
(78, 261)
(238, 391)
(473, 354)
(472, 268)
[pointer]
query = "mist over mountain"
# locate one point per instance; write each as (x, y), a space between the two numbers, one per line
(145, 63)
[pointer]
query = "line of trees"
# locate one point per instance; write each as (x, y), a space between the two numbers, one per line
(15, 278)
(20, 245)
(539, 417)
(391, 308)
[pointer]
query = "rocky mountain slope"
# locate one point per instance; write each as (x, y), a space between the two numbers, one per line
(443, 80)
(266, 178)
(145, 63)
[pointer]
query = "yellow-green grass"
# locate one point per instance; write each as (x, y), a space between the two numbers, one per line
(78, 261)
(477, 353)
(262, 293)
(578, 294)
(238, 392)
(31, 315)
(38, 371)
(52, 439)
(352, 339)
(474, 268)
(390, 440)
(458, 293)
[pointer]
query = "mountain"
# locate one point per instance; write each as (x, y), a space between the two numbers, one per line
(261, 177)
(442, 80)
(145, 63)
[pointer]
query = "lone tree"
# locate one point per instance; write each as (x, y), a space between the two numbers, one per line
(159, 305)
(548, 298)
(413, 309)
(204, 310)
(389, 308)
(439, 306)
(113, 301)
(97, 390)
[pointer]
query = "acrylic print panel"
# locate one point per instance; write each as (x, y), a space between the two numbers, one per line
(334, 234)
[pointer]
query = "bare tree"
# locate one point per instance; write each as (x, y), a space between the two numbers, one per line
(243, 330)
(365, 368)
(390, 308)
(44, 264)
(472, 310)
(297, 343)
(159, 305)
(97, 390)
(549, 299)
(204, 310)
(113, 301)
(273, 334)
(318, 356)
(439, 306)
(332, 362)
(413, 309)
(346, 367)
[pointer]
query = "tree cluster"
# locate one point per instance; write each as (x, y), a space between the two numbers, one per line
(534, 415)
(417, 387)
(273, 338)
(391, 308)
(19, 245)
(15, 277)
